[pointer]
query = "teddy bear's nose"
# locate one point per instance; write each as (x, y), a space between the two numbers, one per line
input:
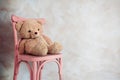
(35, 32)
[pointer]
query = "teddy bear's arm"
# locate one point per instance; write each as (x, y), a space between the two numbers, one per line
(47, 39)
(22, 46)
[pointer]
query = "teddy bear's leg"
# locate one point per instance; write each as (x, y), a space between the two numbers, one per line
(43, 52)
(40, 50)
(55, 48)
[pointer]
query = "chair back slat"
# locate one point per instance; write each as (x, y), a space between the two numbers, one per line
(14, 20)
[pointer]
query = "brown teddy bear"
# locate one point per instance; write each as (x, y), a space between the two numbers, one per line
(33, 41)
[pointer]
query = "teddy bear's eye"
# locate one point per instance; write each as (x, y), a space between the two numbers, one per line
(29, 31)
(38, 29)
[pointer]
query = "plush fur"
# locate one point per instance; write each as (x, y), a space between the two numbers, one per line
(33, 41)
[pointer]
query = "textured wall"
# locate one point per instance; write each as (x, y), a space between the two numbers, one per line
(88, 29)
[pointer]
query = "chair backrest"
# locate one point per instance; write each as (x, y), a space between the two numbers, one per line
(14, 20)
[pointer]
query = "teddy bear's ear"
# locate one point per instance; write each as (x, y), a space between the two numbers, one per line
(41, 21)
(19, 25)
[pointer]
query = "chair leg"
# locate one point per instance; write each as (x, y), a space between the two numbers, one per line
(34, 70)
(40, 75)
(60, 74)
(60, 69)
(31, 75)
(29, 68)
(16, 68)
(40, 72)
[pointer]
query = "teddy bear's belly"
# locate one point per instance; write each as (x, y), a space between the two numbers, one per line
(36, 47)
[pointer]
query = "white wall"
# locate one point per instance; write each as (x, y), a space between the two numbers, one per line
(88, 29)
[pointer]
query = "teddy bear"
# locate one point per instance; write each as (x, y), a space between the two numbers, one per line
(33, 41)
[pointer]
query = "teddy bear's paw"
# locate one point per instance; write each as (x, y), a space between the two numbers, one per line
(55, 48)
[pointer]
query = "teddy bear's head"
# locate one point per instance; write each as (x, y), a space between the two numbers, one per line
(29, 28)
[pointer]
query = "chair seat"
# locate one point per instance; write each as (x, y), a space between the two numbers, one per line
(38, 58)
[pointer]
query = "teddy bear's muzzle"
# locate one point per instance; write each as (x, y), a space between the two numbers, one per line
(34, 35)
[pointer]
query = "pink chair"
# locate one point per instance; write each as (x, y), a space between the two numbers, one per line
(37, 62)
